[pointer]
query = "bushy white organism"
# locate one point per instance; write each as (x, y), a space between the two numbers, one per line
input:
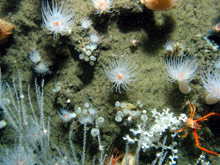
(171, 46)
(102, 6)
(34, 56)
(85, 24)
(18, 156)
(57, 19)
(121, 72)
(41, 68)
(165, 120)
(211, 82)
(66, 115)
(4, 100)
(34, 132)
(86, 115)
(93, 38)
(181, 69)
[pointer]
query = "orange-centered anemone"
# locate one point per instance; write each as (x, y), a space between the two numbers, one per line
(119, 76)
(102, 5)
(56, 23)
(159, 5)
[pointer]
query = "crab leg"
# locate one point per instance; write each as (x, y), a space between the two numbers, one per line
(201, 148)
(206, 116)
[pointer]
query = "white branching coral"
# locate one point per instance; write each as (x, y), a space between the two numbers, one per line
(150, 137)
(57, 19)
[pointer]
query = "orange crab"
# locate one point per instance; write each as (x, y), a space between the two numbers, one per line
(193, 125)
(114, 157)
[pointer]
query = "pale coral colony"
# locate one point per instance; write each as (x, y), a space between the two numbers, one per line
(122, 70)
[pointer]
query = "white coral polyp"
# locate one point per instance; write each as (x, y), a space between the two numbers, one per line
(57, 19)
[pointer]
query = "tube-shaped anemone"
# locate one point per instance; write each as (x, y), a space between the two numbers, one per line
(211, 82)
(182, 70)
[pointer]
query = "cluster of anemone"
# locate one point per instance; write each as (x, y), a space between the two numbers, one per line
(60, 19)
(88, 48)
(121, 72)
(130, 113)
(86, 115)
(41, 67)
(183, 70)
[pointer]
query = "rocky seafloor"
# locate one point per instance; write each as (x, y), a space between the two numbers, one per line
(73, 82)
